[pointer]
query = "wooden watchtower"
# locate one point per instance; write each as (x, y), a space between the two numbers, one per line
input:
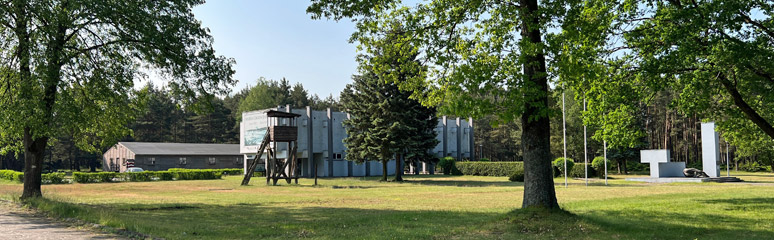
(282, 128)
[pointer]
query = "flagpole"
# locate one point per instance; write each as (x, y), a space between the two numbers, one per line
(564, 139)
(585, 148)
(605, 143)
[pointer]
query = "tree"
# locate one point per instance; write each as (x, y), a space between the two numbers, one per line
(322, 104)
(156, 122)
(712, 56)
(265, 94)
(70, 66)
(299, 97)
(385, 123)
(486, 57)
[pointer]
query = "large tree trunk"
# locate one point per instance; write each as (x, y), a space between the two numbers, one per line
(34, 151)
(384, 171)
(398, 168)
(536, 134)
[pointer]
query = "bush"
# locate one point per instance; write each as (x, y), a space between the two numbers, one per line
(483, 160)
(559, 163)
(53, 178)
(12, 175)
(580, 172)
(82, 177)
(197, 174)
(449, 166)
(46, 178)
(752, 167)
(599, 164)
(231, 171)
(498, 169)
(632, 166)
(172, 174)
(517, 175)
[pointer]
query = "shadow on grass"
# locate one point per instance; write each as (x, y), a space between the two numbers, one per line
(465, 183)
(743, 204)
(262, 221)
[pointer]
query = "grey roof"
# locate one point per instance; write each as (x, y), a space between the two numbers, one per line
(151, 148)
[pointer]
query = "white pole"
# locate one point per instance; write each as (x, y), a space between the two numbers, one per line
(585, 149)
(728, 159)
(564, 138)
(605, 143)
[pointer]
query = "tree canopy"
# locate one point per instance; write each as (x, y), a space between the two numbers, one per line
(69, 67)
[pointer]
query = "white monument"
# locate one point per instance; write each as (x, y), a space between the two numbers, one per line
(659, 164)
(710, 149)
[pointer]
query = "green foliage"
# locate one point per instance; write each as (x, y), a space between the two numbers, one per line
(484, 160)
(11, 175)
(449, 166)
(47, 178)
(53, 178)
(599, 163)
(752, 166)
(633, 166)
(559, 164)
(475, 58)
(499, 169)
(224, 171)
(517, 175)
(171, 174)
(385, 122)
(75, 76)
(82, 177)
(197, 174)
(580, 172)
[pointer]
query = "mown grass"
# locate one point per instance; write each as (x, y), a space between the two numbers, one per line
(441, 207)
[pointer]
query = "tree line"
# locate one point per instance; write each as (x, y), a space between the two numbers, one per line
(161, 117)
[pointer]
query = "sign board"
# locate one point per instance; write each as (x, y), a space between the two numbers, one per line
(252, 129)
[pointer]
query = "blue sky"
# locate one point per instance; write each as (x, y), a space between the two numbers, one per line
(276, 39)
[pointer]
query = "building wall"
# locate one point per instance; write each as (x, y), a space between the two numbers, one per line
(116, 157)
(328, 150)
(164, 162)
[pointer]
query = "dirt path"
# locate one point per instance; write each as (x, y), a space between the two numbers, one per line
(20, 224)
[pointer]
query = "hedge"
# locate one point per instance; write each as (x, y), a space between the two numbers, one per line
(146, 176)
(580, 172)
(449, 166)
(47, 178)
(498, 169)
(517, 175)
(12, 175)
(224, 171)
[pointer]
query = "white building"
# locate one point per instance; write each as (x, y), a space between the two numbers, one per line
(321, 135)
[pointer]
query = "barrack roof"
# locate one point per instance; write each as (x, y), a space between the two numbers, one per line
(154, 148)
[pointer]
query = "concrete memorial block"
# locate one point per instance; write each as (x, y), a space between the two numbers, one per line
(710, 149)
(660, 165)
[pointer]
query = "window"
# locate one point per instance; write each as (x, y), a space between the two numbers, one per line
(183, 161)
(123, 162)
(212, 161)
(238, 161)
(337, 156)
(151, 161)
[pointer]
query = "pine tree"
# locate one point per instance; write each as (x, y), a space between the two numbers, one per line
(385, 123)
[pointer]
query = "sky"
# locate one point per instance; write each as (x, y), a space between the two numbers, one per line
(276, 39)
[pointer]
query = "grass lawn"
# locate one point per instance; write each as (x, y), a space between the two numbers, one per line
(423, 207)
